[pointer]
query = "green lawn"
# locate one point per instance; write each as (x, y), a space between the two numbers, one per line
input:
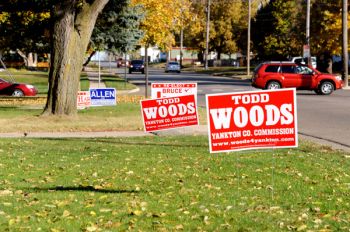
(168, 184)
(84, 82)
(123, 116)
(114, 81)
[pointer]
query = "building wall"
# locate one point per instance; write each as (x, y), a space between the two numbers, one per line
(188, 54)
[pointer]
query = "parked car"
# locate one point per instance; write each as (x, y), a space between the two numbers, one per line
(173, 67)
(301, 60)
(137, 66)
(275, 75)
(13, 60)
(122, 63)
(16, 89)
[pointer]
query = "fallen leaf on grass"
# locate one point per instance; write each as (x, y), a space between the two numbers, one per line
(91, 228)
(105, 210)
(66, 213)
(6, 192)
(136, 212)
(302, 227)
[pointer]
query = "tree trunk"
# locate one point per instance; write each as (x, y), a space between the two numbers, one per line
(23, 55)
(71, 34)
(32, 59)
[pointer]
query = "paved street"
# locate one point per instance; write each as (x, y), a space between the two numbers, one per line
(321, 118)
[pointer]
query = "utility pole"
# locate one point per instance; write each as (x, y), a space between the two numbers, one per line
(207, 36)
(308, 53)
(181, 45)
(345, 43)
(146, 70)
(248, 41)
(125, 68)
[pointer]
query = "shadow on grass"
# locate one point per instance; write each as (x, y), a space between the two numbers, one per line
(81, 189)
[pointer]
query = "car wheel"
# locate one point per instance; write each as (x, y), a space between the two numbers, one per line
(326, 88)
(17, 93)
(273, 85)
(130, 72)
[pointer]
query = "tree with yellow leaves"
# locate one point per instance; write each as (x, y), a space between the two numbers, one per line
(162, 20)
(279, 29)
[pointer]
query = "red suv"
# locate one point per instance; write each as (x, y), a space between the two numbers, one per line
(276, 75)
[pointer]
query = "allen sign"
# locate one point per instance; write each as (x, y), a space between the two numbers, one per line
(251, 120)
(168, 113)
(103, 97)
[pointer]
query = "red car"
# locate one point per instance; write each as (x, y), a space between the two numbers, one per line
(16, 89)
(275, 75)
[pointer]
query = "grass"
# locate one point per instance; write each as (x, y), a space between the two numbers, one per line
(84, 82)
(123, 116)
(114, 81)
(111, 81)
(169, 184)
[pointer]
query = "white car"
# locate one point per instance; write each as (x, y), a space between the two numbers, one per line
(301, 60)
(173, 67)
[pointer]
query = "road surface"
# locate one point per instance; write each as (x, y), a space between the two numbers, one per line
(322, 118)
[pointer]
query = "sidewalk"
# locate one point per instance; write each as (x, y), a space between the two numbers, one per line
(95, 81)
(191, 130)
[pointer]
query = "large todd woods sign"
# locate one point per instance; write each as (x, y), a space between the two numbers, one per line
(249, 120)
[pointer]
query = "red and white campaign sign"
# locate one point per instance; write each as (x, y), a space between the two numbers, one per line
(83, 99)
(168, 113)
(160, 90)
(251, 120)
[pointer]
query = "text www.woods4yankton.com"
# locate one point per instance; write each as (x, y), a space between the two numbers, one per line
(254, 141)
(242, 136)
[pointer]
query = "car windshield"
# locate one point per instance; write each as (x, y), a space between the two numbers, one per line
(173, 63)
(137, 62)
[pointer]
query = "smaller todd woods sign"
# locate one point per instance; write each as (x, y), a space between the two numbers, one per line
(250, 120)
(168, 113)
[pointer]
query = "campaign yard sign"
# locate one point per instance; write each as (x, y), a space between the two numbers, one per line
(83, 99)
(103, 97)
(168, 113)
(161, 90)
(251, 120)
